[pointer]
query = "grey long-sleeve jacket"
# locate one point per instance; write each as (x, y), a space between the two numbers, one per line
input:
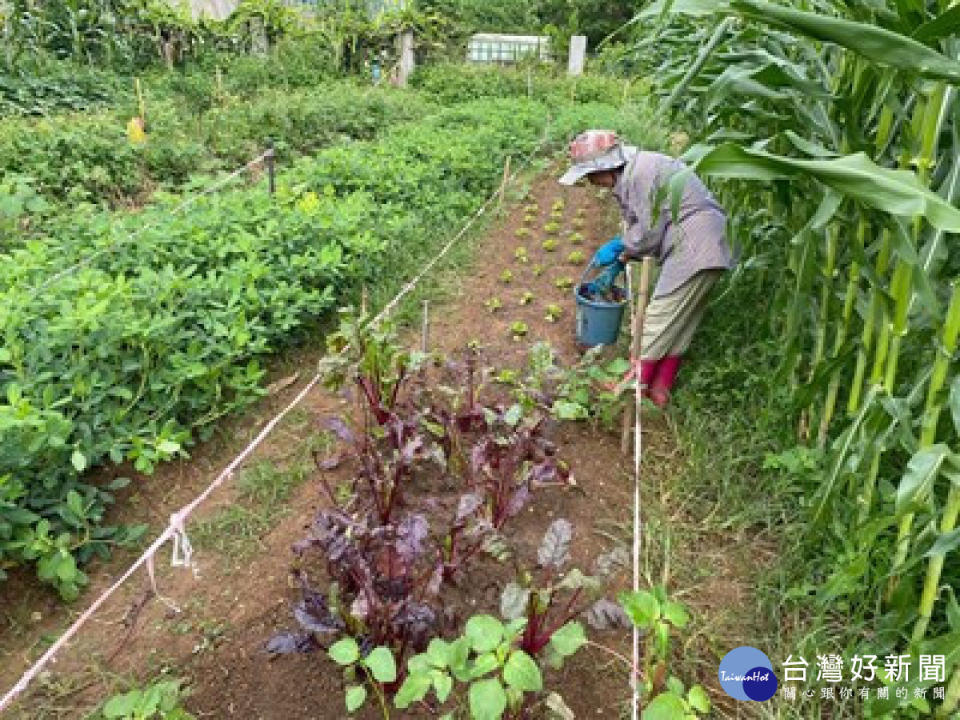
(694, 241)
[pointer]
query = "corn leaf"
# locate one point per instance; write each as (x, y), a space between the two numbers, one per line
(945, 543)
(942, 26)
(882, 46)
(773, 81)
(898, 192)
(694, 8)
(917, 481)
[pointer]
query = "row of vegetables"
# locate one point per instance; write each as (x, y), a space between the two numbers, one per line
(163, 320)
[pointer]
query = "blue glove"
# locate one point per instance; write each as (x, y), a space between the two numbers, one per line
(603, 282)
(609, 253)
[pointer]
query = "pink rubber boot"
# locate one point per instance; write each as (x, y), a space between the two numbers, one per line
(663, 381)
(648, 369)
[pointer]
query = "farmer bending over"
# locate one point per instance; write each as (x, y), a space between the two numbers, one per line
(690, 248)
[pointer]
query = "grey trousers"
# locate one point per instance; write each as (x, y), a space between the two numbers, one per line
(671, 320)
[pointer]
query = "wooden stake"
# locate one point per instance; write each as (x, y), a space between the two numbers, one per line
(639, 312)
(141, 105)
(425, 338)
(503, 182)
(363, 301)
(271, 167)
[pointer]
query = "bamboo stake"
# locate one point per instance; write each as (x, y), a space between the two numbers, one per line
(639, 312)
(503, 182)
(638, 318)
(271, 168)
(425, 336)
(141, 105)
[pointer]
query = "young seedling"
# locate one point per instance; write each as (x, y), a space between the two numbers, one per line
(556, 215)
(522, 232)
(558, 205)
(537, 270)
(550, 244)
(659, 617)
(526, 298)
(493, 304)
(577, 257)
(551, 228)
(564, 283)
(531, 208)
(529, 219)
(507, 377)
(379, 668)
(554, 312)
(506, 277)
(578, 223)
(581, 212)
(518, 330)
(484, 670)
(575, 237)
(521, 255)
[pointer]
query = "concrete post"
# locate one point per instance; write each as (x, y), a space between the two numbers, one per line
(578, 54)
(407, 62)
(259, 45)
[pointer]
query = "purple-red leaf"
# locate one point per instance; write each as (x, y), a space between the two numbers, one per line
(436, 580)
(468, 505)
(330, 463)
(411, 449)
(360, 607)
(517, 501)
(286, 643)
(314, 616)
(606, 615)
(555, 547)
(339, 428)
(543, 473)
(411, 533)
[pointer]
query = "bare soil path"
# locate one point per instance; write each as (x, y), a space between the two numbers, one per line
(242, 594)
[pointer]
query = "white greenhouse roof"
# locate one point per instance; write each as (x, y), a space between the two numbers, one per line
(498, 48)
(524, 39)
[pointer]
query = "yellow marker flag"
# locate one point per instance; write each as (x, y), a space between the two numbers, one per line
(135, 131)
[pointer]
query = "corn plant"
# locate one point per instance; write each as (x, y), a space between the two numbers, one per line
(846, 115)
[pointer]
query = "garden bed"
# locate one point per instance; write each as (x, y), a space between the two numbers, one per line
(244, 595)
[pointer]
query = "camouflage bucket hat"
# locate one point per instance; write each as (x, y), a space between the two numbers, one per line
(594, 151)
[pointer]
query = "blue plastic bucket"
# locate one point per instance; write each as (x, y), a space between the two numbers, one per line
(598, 321)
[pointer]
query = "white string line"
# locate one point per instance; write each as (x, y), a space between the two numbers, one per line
(637, 530)
(634, 673)
(135, 234)
(175, 529)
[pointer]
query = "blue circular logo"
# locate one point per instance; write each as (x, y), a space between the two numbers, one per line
(747, 674)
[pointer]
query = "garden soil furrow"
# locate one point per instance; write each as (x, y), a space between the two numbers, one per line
(243, 594)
